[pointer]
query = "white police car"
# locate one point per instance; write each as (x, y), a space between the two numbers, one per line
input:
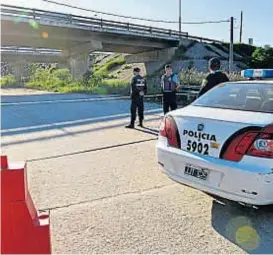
(222, 143)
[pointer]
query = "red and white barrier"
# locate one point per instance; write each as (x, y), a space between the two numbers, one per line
(23, 229)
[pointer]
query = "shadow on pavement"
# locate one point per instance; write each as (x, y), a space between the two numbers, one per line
(249, 229)
(148, 130)
(44, 138)
(89, 150)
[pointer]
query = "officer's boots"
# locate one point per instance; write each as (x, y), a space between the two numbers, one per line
(132, 125)
(140, 123)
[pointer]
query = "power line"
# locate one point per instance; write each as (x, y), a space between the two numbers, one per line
(135, 18)
(206, 22)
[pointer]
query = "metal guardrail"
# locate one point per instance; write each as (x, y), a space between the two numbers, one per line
(36, 50)
(190, 92)
(42, 16)
(22, 51)
(28, 49)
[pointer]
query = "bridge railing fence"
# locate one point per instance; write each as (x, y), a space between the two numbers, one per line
(49, 16)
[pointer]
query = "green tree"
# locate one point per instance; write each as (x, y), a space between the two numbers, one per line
(262, 58)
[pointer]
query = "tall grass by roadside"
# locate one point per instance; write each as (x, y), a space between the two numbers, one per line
(187, 77)
(7, 80)
(193, 77)
(61, 81)
(103, 70)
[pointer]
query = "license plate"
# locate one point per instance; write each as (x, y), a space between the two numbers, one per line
(196, 172)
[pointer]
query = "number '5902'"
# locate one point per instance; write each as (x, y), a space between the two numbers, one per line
(199, 147)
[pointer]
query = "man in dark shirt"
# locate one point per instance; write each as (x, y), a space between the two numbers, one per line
(138, 90)
(214, 78)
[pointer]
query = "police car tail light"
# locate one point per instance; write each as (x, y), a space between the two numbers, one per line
(257, 143)
(239, 146)
(168, 129)
(263, 144)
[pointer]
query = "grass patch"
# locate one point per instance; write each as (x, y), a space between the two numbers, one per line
(193, 77)
(112, 76)
(103, 70)
(115, 86)
(7, 80)
(187, 77)
(126, 67)
(61, 81)
(44, 80)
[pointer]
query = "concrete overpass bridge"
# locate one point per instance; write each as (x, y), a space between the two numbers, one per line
(43, 29)
(77, 36)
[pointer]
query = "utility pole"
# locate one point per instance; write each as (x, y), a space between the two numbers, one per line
(241, 27)
(231, 44)
(180, 18)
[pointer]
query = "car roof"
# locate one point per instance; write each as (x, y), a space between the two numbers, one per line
(270, 82)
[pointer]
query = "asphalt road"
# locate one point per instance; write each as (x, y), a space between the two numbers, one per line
(103, 186)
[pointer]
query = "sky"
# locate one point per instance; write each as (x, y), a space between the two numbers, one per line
(257, 22)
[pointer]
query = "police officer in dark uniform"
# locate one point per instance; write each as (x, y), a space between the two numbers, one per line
(169, 85)
(214, 78)
(138, 90)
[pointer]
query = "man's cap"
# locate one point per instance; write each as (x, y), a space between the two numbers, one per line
(137, 69)
(168, 66)
(214, 63)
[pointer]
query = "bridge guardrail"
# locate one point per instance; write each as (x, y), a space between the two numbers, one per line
(40, 53)
(63, 18)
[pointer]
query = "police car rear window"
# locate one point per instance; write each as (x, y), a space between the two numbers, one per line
(257, 97)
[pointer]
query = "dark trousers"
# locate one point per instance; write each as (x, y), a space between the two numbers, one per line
(169, 101)
(137, 104)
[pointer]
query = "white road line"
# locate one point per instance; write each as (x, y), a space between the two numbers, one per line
(63, 101)
(73, 122)
(72, 100)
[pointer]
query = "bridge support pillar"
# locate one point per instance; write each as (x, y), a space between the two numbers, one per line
(79, 57)
(18, 71)
(63, 65)
(79, 65)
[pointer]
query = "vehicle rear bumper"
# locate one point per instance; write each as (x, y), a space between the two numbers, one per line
(230, 180)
